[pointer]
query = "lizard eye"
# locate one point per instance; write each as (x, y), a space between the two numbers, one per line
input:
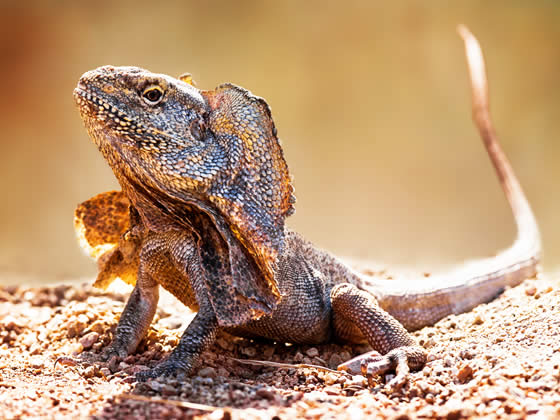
(152, 95)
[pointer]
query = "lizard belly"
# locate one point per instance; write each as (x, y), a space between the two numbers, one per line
(178, 285)
(304, 321)
(167, 271)
(304, 313)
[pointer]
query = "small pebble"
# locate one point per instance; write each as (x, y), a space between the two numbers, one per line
(89, 339)
(224, 343)
(208, 372)
(207, 381)
(249, 351)
(312, 352)
(98, 327)
(530, 290)
(154, 385)
(266, 394)
(123, 365)
(356, 381)
(268, 352)
(331, 378)
(77, 348)
(105, 371)
(334, 361)
(168, 390)
(89, 372)
(465, 373)
(223, 372)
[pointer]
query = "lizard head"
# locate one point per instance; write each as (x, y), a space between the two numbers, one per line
(152, 122)
(217, 150)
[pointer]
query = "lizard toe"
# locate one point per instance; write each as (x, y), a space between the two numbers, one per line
(373, 364)
(166, 368)
(357, 365)
(112, 352)
(84, 359)
(403, 359)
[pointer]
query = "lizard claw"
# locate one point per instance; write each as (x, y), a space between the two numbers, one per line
(67, 361)
(83, 359)
(400, 360)
(109, 357)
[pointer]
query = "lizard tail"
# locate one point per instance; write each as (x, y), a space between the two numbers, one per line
(479, 281)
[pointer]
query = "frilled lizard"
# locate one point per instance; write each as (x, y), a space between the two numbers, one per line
(205, 194)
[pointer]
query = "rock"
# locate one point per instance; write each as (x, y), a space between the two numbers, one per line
(123, 366)
(89, 339)
(249, 351)
(356, 381)
(207, 381)
(89, 372)
(331, 378)
(268, 352)
(335, 360)
(223, 372)
(105, 371)
(319, 361)
(266, 394)
(478, 320)
(97, 326)
(28, 340)
(154, 385)
(77, 348)
(224, 343)
(168, 390)
(312, 352)
(531, 290)
(208, 372)
(37, 363)
(465, 373)
(130, 359)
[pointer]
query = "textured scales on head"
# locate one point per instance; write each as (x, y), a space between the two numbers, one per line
(174, 147)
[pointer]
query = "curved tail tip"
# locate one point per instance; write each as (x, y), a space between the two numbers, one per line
(463, 31)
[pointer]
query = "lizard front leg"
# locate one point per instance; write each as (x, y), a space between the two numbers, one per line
(198, 336)
(133, 323)
(393, 346)
(202, 331)
(136, 317)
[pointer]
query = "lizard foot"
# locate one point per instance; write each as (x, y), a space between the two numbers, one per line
(401, 359)
(168, 367)
(111, 356)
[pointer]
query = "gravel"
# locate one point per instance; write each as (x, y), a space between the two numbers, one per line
(502, 360)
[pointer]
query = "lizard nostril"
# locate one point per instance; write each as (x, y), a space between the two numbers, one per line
(197, 130)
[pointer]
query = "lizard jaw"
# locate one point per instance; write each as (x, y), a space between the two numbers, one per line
(99, 116)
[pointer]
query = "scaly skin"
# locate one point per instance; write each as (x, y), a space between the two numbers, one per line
(209, 190)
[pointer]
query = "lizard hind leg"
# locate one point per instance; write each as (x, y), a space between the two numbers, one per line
(354, 311)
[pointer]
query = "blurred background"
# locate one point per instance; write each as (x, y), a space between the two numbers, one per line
(371, 101)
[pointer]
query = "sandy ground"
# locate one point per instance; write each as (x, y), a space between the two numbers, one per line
(501, 360)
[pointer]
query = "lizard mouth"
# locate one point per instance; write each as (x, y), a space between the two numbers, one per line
(93, 105)
(99, 114)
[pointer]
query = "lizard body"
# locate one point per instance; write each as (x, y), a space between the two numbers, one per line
(208, 192)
